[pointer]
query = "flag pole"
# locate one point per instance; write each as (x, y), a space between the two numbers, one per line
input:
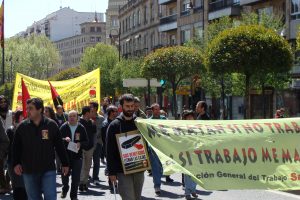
(2, 44)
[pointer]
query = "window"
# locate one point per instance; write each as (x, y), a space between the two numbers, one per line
(138, 17)
(172, 39)
(83, 30)
(133, 20)
(129, 22)
(185, 35)
(151, 12)
(145, 14)
(98, 39)
(114, 21)
(98, 29)
(92, 39)
(264, 11)
(198, 4)
(185, 7)
(198, 32)
(295, 7)
(92, 29)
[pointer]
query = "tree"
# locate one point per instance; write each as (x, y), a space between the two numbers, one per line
(105, 57)
(249, 50)
(32, 56)
(127, 68)
(68, 74)
(173, 64)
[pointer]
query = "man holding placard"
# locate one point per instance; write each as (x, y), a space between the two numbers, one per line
(123, 141)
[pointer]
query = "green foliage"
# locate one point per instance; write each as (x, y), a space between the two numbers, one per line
(105, 57)
(30, 56)
(68, 74)
(127, 68)
(172, 64)
(247, 50)
(7, 90)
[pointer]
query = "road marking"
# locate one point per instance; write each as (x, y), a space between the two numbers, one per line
(284, 194)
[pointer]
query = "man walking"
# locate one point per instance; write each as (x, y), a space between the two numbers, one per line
(75, 139)
(129, 186)
(97, 120)
(87, 155)
(34, 143)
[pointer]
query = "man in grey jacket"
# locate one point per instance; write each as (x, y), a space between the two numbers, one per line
(4, 143)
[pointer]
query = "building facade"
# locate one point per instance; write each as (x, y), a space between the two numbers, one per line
(71, 49)
(112, 21)
(61, 24)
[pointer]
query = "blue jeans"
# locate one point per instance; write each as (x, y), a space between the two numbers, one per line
(96, 161)
(190, 185)
(75, 170)
(38, 183)
(156, 168)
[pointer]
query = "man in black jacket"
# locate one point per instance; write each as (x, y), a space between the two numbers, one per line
(87, 155)
(34, 143)
(112, 113)
(130, 186)
(201, 110)
(75, 139)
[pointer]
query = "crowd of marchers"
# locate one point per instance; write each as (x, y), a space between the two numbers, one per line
(47, 143)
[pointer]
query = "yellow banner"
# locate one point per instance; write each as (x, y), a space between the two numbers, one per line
(229, 154)
(75, 93)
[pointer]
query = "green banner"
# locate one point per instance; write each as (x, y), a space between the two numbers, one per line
(229, 154)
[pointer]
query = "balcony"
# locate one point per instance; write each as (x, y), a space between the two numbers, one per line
(168, 23)
(248, 2)
(223, 8)
(164, 2)
(168, 19)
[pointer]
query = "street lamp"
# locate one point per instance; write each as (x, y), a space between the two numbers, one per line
(112, 38)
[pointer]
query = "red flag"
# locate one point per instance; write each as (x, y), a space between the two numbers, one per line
(2, 24)
(25, 97)
(55, 97)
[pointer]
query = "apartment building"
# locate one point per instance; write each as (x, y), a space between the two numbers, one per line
(112, 21)
(72, 48)
(61, 24)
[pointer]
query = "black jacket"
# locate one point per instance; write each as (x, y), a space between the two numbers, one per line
(91, 132)
(203, 117)
(104, 128)
(119, 125)
(34, 146)
(83, 139)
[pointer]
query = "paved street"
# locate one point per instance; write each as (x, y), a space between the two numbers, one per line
(174, 191)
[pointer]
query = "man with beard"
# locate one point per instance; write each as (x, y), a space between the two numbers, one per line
(129, 186)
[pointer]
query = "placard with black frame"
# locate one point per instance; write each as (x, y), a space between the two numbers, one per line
(133, 152)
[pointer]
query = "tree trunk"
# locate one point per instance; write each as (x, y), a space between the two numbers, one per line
(174, 100)
(264, 100)
(247, 98)
(223, 97)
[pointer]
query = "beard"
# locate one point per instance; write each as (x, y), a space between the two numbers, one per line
(4, 109)
(128, 113)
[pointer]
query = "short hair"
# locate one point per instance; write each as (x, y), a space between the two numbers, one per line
(37, 102)
(202, 104)
(2, 97)
(137, 100)
(154, 105)
(17, 115)
(85, 109)
(148, 108)
(59, 106)
(51, 112)
(110, 109)
(186, 113)
(72, 111)
(94, 104)
(126, 97)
